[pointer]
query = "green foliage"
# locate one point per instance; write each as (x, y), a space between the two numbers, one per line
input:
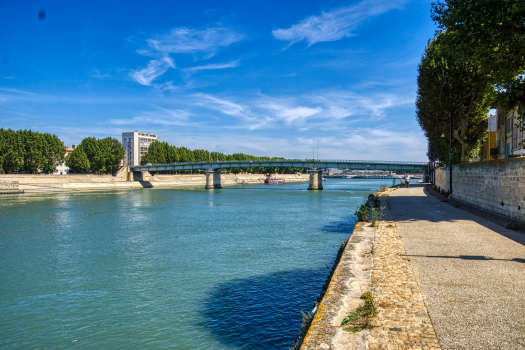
(514, 225)
(104, 155)
(162, 152)
(362, 212)
(78, 161)
(447, 84)
(28, 151)
(362, 316)
(376, 214)
(488, 33)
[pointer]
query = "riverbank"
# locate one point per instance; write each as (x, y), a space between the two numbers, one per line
(374, 260)
(82, 182)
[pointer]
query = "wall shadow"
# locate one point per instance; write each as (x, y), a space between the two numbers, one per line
(262, 312)
(431, 209)
(466, 257)
(345, 225)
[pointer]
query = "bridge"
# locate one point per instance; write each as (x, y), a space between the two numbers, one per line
(213, 169)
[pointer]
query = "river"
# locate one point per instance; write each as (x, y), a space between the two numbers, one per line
(169, 268)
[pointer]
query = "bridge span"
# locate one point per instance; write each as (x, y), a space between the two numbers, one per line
(213, 169)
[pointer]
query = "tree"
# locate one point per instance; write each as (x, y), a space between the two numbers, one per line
(90, 145)
(78, 161)
(156, 154)
(489, 33)
(447, 84)
(104, 155)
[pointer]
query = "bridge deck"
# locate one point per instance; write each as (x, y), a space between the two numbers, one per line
(285, 163)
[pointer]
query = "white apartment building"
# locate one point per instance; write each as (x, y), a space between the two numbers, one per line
(136, 144)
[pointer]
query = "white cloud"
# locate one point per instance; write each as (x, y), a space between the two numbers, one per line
(336, 24)
(187, 40)
(232, 64)
(154, 69)
(288, 111)
(221, 105)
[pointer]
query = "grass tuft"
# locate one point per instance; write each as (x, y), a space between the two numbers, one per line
(362, 316)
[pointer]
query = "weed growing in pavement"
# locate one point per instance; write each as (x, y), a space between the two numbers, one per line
(382, 188)
(376, 215)
(362, 316)
(514, 225)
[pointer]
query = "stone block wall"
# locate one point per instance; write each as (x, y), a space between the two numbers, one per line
(8, 185)
(497, 186)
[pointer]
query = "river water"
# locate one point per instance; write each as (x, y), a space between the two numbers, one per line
(169, 268)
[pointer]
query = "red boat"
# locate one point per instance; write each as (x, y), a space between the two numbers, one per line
(273, 180)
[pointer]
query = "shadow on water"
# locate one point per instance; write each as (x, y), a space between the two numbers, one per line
(262, 312)
(345, 225)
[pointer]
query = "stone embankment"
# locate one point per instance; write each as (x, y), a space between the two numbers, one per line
(374, 260)
(497, 186)
(46, 183)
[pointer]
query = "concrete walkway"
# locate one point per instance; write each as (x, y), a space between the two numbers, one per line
(471, 272)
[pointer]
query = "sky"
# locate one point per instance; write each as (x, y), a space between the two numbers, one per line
(266, 78)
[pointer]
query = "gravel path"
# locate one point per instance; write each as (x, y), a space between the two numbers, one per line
(470, 271)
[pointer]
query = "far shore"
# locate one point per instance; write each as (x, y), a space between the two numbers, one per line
(34, 183)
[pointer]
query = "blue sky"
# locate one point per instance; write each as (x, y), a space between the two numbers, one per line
(259, 77)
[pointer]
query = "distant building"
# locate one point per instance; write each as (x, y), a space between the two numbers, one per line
(509, 136)
(63, 169)
(136, 144)
(488, 149)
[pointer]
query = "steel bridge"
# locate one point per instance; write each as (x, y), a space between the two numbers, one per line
(315, 166)
(285, 163)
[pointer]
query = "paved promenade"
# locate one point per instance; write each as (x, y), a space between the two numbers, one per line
(470, 271)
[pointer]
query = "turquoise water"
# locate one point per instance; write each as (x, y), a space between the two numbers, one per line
(169, 268)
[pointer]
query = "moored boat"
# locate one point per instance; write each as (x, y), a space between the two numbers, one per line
(273, 180)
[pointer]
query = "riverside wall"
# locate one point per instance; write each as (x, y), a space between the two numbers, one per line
(497, 186)
(44, 183)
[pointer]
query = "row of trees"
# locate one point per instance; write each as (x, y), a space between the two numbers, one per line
(476, 61)
(29, 151)
(97, 156)
(162, 152)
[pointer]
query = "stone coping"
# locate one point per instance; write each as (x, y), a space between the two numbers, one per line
(374, 260)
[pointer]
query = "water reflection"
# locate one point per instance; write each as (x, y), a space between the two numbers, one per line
(262, 312)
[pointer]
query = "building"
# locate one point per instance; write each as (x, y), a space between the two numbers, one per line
(136, 144)
(488, 149)
(63, 169)
(509, 135)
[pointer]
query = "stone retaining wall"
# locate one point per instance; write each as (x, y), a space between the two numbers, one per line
(497, 186)
(38, 183)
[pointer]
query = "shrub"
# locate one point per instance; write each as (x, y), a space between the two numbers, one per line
(514, 225)
(362, 212)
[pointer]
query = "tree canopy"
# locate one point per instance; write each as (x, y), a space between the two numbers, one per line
(104, 155)
(28, 151)
(489, 33)
(78, 161)
(447, 84)
(162, 152)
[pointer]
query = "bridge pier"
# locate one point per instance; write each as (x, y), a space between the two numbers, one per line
(316, 180)
(213, 179)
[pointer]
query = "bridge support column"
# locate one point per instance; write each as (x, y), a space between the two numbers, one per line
(213, 179)
(316, 180)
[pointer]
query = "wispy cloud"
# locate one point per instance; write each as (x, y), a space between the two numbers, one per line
(187, 40)
(336, 24)
(232, 64)
(288, 111)
(183, 40)
(154, 69)
(221, 105)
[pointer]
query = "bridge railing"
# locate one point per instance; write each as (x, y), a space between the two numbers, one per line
(257, 161)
